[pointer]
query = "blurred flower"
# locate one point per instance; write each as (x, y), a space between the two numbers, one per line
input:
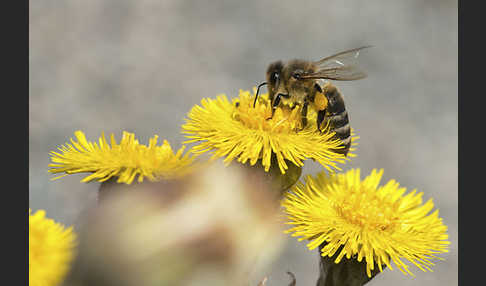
(237, 130)
(213, 227)
(51, 250)
(125, 160)
(366, 221)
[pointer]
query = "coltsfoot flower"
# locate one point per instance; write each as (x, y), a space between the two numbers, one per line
(51, 250)
(237, 130)
(379, 224)
(125, 160)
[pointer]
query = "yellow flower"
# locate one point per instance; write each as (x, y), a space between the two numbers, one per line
(237, 130)
(125, 160)
(51, 250)
(376, 223)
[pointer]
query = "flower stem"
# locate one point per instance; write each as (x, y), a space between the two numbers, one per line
(107, 188)
(278, 181)
(348, 272)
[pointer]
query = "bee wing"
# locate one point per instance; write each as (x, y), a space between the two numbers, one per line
(341, 66)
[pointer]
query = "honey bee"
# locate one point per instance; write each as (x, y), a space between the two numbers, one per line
(304, 83)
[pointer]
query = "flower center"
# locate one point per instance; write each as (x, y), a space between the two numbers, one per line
(366, 210)
(284, 119)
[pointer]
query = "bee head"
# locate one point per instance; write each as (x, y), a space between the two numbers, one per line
(293, 72)
(274, 77)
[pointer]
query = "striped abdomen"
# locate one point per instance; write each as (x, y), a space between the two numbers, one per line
(337, 116)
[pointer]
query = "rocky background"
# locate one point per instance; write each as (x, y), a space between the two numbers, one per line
(139, 66)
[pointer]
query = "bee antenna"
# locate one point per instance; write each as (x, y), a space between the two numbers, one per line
(258, 90)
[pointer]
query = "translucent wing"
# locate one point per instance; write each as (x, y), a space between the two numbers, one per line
(341, 66)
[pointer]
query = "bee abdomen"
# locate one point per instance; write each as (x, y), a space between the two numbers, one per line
(342, 131)
(338, 119)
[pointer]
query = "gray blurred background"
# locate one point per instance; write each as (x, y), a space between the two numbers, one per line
(139, 66)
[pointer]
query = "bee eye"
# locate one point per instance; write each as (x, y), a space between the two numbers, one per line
(275, 76)
(296, 75)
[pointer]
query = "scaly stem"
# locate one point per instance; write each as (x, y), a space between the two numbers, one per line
(348, 272)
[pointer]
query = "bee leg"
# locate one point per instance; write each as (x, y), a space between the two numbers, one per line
(320, 118)
(304, 114)
(275, 104)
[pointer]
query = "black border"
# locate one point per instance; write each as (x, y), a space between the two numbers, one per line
(470, 124)
(15, 141)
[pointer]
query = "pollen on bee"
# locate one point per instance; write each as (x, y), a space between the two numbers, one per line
(320, 101)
